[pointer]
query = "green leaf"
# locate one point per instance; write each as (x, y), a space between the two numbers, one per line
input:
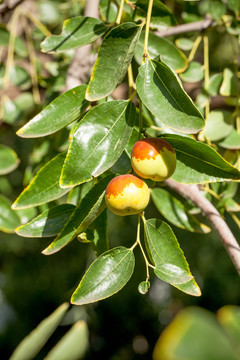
(171, 265)
(76, 32)
(108, 10)
(98, 141)
(193, 73)
(229, 318)
(31, 344)
(161, 16)
(143, 287)
(234, 5)
(63, 110)
(221, 120)
(85, 213)
(108, 274)
(100, 240)
(198, 163)
(231, 205)
(217, 9)
(109, 70)
(215, 82)
(123, 164)
(20, 77)
(162, 93)
(19, 45)
(73, 345)
(231, 141)
(229, 85)
(197, 335)
(168, 52)
(45, 185)
(175, 212)
(8, 160)
(9, 219)
(47, 224)
(184, 43)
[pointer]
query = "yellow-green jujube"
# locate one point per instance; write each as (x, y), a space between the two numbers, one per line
(127, 195)
(153, 158)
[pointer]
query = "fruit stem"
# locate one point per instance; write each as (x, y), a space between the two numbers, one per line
(140, 119)
(148, 18)
(194, 48)
(131, 84)
(140, 245)
(119, 15)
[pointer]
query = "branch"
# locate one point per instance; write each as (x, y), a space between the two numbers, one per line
(192, 192)
(9, 5)
(189, 27)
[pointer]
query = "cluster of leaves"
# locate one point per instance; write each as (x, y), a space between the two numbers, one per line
(101, 132)
(72, 345)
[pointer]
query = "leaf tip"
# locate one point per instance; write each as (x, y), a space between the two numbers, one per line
(48, 251)
(14, 206)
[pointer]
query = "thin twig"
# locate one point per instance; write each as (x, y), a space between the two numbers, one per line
(192, 192)
(189, 27)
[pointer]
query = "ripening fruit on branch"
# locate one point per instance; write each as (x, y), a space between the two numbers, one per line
(153, 158)
(127, 195)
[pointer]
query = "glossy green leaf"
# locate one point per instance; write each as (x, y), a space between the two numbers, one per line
(108, 274)
(73, 345)
(162, 93)
(161, 16)
(45, 185)
(9, 219)
(63, 110)
(197, 335)
(193, 73)
(76, 32)
(230, 83)
(98, 141)
(85, 213)
(175, 212)
(219, 124)
(170, 263)
(100, 239)
(8, 160)
(232, 141)
(31, 344)
(109, 70)
(168, 52)
(199, 163)
(123, 164)
(47, 224)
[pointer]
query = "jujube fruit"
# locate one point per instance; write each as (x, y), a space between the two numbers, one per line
(127, 195)
(153, 158)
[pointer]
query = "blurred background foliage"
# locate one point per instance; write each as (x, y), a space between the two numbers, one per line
(32, 285)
